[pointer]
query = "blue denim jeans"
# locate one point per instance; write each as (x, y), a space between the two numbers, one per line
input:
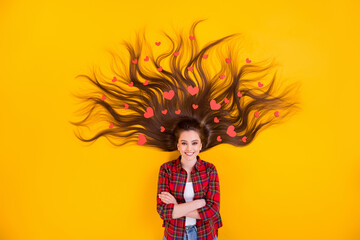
(191, 233)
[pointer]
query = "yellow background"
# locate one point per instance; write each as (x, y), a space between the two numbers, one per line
(298, 180)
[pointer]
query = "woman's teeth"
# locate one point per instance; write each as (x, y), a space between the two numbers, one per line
(189, 154)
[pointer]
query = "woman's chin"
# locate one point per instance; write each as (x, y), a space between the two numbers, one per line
(189, 157)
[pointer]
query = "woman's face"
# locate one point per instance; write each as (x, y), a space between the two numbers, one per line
(189, 145)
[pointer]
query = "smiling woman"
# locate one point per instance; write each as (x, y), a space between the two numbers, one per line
(197, 99)
(188, 189)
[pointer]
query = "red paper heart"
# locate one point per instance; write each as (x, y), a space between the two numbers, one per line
(248, 60)
(230, 131)
(146, 59)
(276, 114)
(114, 79)
(195, 106)
(162, 129)
(193, 90)
(226, 100)
(131, 84)
(244, 139)
(228, 60)
(222, 76)
(256, 114)
(216, 120)
(192, 37)
(190, 69)
(169, 95)
(178, 112)
(134, 61)
(146, 82)
(164, 111)
(260, 84)
(149, 112)
(111, 125)
(157, 43)
(214, 105)
(126, 106)
(218, 139)
(141, 140)
(239, 94)
(103, 97)
(205, 56)
(160, 69)
(176, 54)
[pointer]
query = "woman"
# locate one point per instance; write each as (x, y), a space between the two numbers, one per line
(170, 101)
(188, 189)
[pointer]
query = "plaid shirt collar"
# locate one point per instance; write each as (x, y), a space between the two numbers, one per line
(198, 165)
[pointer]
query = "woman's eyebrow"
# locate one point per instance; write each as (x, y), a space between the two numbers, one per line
(192, 140)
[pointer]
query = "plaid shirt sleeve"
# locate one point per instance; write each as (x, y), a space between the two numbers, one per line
(165, 210)
(211, 209)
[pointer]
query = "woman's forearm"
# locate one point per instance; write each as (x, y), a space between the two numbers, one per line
(193, 214)
(182, 209)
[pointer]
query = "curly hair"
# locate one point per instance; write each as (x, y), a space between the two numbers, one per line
(152, 100)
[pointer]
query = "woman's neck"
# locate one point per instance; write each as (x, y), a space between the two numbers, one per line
(188, 165)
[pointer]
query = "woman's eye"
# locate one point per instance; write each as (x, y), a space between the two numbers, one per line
(183, 143)
(195, 143)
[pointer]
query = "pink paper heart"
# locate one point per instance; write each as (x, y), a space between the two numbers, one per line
(214, 105)
(222, 76)
(218, 139)
(176, 54)
(134, 61)
(111, 125)
(260, 84)
(193, 90)
(276, 114)
(162, 129)
(226, 100)
(164, 111)
(169, 95)
(192, 37)
(126, 106)
(141, 139)
(239, 94)
(146, 82)
(149, 112)
(160, 69)
(230, 131)
(114, 79)
(103, 97)
(256, 114)
(216, 120)
(146, 59)
(244, 139)
(178, 111)
(195, 106)
(228, 60)
(205, 56)
(157, 43)
(131, 84)
(248, 60)
(190, 69)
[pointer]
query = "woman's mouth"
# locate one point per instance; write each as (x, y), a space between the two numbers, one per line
(189, 154)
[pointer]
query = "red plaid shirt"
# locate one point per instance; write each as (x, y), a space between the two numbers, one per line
(172, 179)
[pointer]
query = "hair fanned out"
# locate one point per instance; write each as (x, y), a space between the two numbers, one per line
(147, 97)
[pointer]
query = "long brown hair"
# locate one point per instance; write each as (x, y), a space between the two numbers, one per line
(232, 105)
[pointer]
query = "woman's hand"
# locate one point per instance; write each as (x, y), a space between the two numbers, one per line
(167, 198)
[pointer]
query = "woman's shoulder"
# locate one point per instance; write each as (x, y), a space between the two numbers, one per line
(168, 164)
(209, 166)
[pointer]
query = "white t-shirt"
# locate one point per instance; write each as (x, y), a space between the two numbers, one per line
(189, 196)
